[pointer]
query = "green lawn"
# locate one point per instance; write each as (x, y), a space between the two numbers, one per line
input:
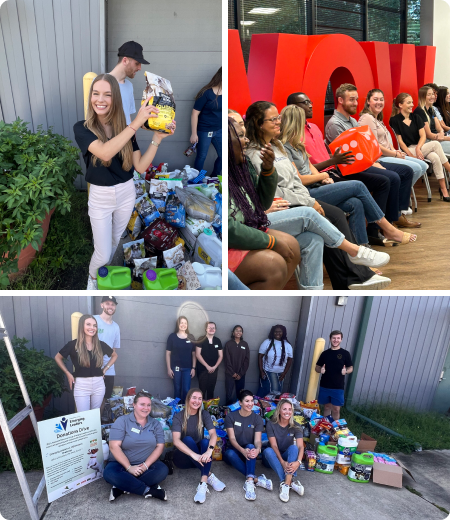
(64, 260)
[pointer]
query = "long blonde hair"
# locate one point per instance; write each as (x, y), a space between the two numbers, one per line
(276, 415)
(293, 128)
(186, 413)
(115, 118)
(423, 91)
(84, 358)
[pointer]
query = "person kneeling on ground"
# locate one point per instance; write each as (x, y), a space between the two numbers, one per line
(136, 442)
(244, 430)
(192, 450)
(284, 455)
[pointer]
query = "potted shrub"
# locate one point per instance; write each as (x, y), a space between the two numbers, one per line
(42, 377)
(37, 172)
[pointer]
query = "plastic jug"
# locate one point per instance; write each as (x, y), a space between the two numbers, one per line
(360, 467)
(208, 249)
(160, 279)
(113, 277)
(346, 448)
(207, 275)
(326, 457)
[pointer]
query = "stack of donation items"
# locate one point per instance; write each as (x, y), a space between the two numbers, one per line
(175, 229)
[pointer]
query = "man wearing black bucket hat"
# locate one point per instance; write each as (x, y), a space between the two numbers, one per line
(109, 332)
(131, 58)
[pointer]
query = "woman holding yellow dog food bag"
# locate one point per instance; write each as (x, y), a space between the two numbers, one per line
(111, 154)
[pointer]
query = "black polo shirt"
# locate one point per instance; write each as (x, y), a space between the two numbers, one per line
(101, 175)
(92, 371)
(210, 353)
(410, 134)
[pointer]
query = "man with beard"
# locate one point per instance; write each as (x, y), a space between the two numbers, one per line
(130, 60)
(109, 332)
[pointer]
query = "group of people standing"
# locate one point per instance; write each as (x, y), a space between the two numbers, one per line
(284, 156)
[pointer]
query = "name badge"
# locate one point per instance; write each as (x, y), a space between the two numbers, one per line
(177, 369)
(210, 134)
(135, 430)
(188, 341)
(290, 434)
(243, 348)
(237, 424)
(216, 346)
(251, 425)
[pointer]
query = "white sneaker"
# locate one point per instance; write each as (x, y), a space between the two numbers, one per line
(409, 211)
(202, 489)
(297, 487)
(375, 283)
(284, 492)
(92, 284)
(369, 257)
(249, 488)
(215, 483)
(264, 483)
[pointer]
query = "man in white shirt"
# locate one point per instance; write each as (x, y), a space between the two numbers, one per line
(109, 332)
(130, 61)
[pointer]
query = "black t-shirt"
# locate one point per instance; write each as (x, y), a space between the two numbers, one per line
(410, 134)
(92, 371)
(181, 351)
(101, 175)
(210, 107)
(421, 113)
(334, 361)
(192, 425)
(210, 353)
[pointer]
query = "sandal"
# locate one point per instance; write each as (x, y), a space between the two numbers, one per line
(385, 242)
(407, 238)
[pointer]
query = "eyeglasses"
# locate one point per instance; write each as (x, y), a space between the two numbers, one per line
(306, 102)
(273, 119)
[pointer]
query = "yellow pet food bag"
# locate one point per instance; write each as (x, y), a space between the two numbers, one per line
(159, 92)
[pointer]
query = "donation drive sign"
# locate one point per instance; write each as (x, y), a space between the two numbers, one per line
(71, 448)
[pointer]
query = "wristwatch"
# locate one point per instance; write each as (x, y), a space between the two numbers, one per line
(155, 144)
(211, 448)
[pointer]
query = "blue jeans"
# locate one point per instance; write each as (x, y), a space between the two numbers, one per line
(234, 284)
(270, 460)
(352, 197)
(183, 461)
(202, 150)
(311, 231)
(270, 384)
(116, 475)
(238, 461)
(419, 167)
(181, 383)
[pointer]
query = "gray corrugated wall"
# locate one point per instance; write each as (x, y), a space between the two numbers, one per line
(46, 46)
(45, 322)
(404, 350)
(182, 40)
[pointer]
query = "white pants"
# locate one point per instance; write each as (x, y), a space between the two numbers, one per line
(88, 392)
(110, 209)
(432, 150)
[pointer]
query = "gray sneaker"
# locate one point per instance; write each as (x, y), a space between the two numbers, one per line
(284, 492)
(202, 489)
(249, 488)
(264, 482)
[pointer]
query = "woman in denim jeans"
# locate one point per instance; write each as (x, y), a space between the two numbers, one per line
(206, 123)
(275, 359)
(180, 358)
(244, 429)
(286, 448)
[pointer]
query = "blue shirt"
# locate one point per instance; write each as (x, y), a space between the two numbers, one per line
(126, 91)
(210, 108)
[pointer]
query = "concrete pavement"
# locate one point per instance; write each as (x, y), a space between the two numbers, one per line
(326, 496)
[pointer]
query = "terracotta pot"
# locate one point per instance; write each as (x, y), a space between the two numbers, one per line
(25, 431)
(28, 254)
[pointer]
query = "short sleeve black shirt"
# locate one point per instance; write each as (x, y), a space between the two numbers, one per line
(100, 175)
(421, 113)
(410, 134)
(334, 361)
(181, 351)
(210, 353)
(92, 371)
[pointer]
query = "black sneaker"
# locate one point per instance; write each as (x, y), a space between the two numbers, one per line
(115, 493)
(156, 492)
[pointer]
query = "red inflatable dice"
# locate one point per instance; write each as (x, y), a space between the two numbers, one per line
(364, 146)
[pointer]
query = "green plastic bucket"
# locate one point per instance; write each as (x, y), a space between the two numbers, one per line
(326, 457)
(360, 467)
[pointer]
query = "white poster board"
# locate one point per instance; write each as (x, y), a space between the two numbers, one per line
(72, 454)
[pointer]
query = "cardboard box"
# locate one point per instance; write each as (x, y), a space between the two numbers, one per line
(389, 475)
(366, 443)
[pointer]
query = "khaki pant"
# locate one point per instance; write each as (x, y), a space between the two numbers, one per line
(434, 153)
(110, 209)
(88, 393)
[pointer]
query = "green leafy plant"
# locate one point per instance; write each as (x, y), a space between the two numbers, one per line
(41, 374)
(37, 171)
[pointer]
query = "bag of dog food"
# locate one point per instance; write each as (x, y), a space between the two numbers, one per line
(146, 209)
(139, 187)
(159, 92)
(175, 211)
(140, 266)
(158, 237)
(134, 225)
(117, 391)
(174, 258)
(132, 251)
